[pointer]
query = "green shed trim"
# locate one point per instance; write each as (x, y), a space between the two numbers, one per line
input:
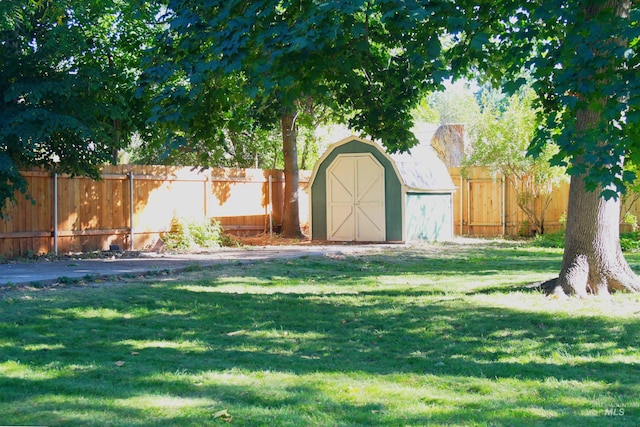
(394, 188)
(418, 193)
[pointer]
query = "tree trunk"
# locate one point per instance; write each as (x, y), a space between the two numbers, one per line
(593, 262)
(291, 211)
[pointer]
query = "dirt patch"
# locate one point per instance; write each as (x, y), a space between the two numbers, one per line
(270, 240)
(72, 256)
(277, 240)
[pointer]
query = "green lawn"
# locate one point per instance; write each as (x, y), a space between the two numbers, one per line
(433, 335)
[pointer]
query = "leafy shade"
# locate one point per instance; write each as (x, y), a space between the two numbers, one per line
(584, 58)
(209, 124)
(370, 59)
(67, 81)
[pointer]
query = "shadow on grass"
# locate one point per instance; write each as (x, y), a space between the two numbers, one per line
(177, 342)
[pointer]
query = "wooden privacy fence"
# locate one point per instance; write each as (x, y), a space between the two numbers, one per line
(486, 205)
(132, 205)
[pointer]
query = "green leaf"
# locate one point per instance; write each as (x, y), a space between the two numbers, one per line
(479, 41)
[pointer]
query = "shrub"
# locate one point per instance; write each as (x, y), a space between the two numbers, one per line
(189, 234)
(630, 242)
(549, 240)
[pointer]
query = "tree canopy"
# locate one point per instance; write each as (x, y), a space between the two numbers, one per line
(583, 56)
(67, 78)
(376, 60)
(348, 56)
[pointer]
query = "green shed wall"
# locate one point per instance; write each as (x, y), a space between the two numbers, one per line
(392, 188)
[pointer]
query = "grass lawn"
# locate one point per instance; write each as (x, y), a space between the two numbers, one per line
(405, 336)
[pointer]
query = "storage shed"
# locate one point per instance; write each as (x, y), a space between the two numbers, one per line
(358, 192)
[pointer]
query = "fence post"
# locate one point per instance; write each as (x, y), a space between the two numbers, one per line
(270, 205)
(131, 210)
(206, 187)
(461, 205)
(55, 213)
(468, 205)
(503, 206)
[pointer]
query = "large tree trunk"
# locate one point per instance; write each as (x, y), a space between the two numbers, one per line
(593, 262)
(291, 211)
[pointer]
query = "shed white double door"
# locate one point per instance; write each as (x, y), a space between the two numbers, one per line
(356, 199)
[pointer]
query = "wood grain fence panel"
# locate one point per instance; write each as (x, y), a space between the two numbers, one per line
(157, 201)
(41, 189)
(487, 211)
(177, 192)
(72, 209)
(557, 208)
(118, 210)
(516, 222)
(277, 180)
(484, 198)
(114, 208)
(28, 226)
(241, 199)
(93, 215)
(106, 209)
(68, 203)
(152, 208)
(42, 192)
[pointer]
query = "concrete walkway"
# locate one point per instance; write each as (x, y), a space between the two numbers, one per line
(47, 272)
